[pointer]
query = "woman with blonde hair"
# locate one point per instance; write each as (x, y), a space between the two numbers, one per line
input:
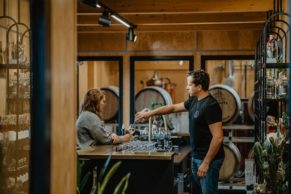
(90, 127)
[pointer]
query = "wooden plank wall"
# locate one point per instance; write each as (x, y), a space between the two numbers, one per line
(96, 74)
(182, 43)
(63, 96)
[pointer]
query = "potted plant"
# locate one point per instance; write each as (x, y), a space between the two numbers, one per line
(102, 180)
(269, 160)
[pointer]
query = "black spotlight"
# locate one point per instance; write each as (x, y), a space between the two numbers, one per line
(130, 35)
(92, 3)
(104, 19)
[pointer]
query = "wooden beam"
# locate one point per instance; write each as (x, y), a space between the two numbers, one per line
(152, 6)
(180, 18)
(193, 27)
(62, 64)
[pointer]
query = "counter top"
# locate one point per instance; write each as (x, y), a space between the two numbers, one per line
(184, 151)
(102, 152)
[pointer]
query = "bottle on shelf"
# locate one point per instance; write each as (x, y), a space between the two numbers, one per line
(271, 51)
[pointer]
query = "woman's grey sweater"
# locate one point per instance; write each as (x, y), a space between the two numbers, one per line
(91, 130)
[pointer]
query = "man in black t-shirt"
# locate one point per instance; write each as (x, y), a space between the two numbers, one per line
(205, 126)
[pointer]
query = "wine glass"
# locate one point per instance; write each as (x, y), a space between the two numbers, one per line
(131, 129)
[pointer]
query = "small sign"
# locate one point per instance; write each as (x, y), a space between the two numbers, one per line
(250, 175)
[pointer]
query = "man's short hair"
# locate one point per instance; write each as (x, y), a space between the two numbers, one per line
(200, 77)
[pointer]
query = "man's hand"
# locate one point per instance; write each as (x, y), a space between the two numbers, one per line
(202, 170)
(141, 115)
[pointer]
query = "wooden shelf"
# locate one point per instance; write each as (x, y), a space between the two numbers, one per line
(276, 65)
(14, 66)
(231, 186)
(276, 99)
(239, 139)
(238, 127)
(19, 98)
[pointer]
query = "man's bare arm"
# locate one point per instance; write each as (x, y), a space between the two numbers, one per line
(216, 141)
(171, 108)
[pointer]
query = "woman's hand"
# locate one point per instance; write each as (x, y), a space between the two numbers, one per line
(115, 138)
(126, 137)
(120, 139)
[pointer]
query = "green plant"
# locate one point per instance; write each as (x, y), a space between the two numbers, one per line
(269, 160)
(102, 180)
(285, 119)
(155, 105)
(81, 181)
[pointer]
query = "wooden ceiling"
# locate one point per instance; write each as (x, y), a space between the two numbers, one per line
(177, 15)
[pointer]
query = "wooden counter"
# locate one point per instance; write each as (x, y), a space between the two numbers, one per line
(183, 153)
(103, 151)
(151, 172)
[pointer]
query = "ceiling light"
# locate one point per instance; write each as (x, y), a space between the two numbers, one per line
(98, 5)
(119, 19)
(104, 19)
(93, 3)
(130, 35)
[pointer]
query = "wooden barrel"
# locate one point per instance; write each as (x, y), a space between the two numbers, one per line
(231, 163)
(251, 107)
(111, 108)
(149, 95)
(228, 100)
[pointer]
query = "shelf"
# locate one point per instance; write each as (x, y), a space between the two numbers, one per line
(276, 65)
(276, 99)
(18, 98)
(239, 139)
(271, 100)
(238, 127)
(259, 82)
(231, 186)
(14, 66)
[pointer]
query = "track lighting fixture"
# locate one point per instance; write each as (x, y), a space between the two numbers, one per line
(104, 19)
(112, 13)
(121, 20)
(92, 3)
(97, 5)
(130, 35)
